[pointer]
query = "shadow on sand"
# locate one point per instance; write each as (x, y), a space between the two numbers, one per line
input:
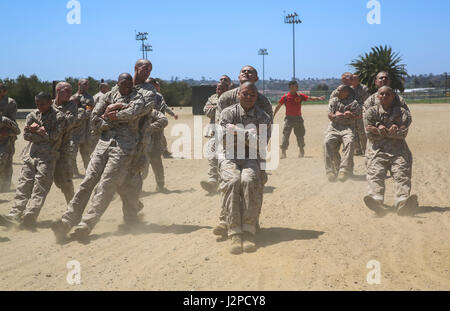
(269, 189)
(144, 228)
(431, 209)
(358, 178)
(272, 236)
(167, 191)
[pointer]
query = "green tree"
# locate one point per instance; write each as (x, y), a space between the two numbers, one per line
(380, 59)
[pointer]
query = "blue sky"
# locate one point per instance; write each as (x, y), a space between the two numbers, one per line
(210, 38)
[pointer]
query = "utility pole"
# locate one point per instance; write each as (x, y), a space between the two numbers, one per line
(142, 36)
(293, 19)
(263, 52)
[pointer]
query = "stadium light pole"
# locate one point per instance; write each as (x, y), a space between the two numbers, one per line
(146, 48)
(293, 19)
(263, 52)
(142, 36)
(446, 85)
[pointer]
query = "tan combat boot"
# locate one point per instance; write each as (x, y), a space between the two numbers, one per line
(220, 230)
(331, 177)
(374, 205)
(249, 244)
(407, 207)
(342, 176)
(236, 244)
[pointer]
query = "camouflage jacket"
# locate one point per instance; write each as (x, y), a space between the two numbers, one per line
(390, 144)
(45, 147)
(123, 132)
(8, 111)
(249, 131)
(231, 97)
(361, 94)
(86, 101)
(70, 111)
(151, 132)
(81, 126)
(210, 112)
(349, 104)
(373, 101)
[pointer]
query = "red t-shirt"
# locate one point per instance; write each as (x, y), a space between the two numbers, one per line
(293, 103)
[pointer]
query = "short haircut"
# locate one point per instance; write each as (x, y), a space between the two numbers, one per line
(386, 87)
(249, 84)
(125, 76)
(346, 74)
(384, 72)
(141, 62)
(293, 82)
(62, 84)
(345, 87)
(43, 96)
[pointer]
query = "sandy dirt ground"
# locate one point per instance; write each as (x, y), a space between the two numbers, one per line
(315, 235)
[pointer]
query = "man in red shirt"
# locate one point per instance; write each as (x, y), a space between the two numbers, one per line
(294, 119)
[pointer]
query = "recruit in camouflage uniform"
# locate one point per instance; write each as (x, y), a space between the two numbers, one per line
(231, 97)
(94, 135)
(210, 111)
(342, 111)
(151, 127)
(110, 161)
(241, 185)
(161, 102)
(159, 143)
(79, 134)
(44, 132)
(87, 102)
(387, 127)
(64, 169)
(361, 95)
(8, 135)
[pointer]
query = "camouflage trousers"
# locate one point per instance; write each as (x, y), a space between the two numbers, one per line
(213, 175)
(85, 152)
(93, 140)
(296, 124)
(106, 172)
(33, 185)
(7, 150)
(163, 143)
(336, 136)
(241, 194)
(360, 137)
(157, 166)
(63, 176)
(400, 166)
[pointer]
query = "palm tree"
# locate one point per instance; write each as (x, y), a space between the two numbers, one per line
(380, 59)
